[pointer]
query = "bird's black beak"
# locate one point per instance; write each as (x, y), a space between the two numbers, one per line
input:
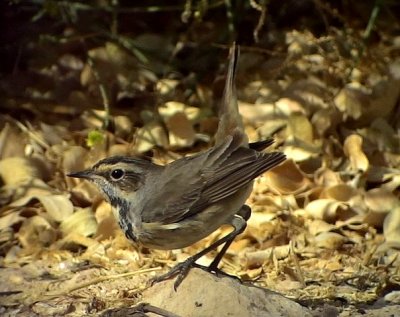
(87, 174)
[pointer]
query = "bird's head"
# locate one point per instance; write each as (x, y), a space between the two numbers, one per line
(118, 177)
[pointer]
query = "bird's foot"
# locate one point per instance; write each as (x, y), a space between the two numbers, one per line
(180, 270)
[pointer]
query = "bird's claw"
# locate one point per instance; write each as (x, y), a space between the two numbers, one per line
(181, 270)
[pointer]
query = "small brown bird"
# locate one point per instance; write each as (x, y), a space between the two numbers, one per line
(173, 206)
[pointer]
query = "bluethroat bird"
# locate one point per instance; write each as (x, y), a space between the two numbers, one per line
(173, 206)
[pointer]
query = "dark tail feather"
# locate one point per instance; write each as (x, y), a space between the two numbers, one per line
(229, 117)
(261, 145)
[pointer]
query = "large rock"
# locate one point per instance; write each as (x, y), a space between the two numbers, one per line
(202, 294)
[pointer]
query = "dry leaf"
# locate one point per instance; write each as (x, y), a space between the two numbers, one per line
(12, 143)
(300, 144)
(10, 219)
(36, 232)
(325, 119)
(257, 113)
(300, 151)
(318, 226)
(340, 192)
(58, 207)
(330, 240)
(123, 126)
(30, 191)
(106, 228)
(73, 159)
(170, 108)
(391, 226)
(272, 203)
(327, 178)
(384, 95)
(300, 128)
(289, 106)
(353, 150)
(81, 222)
(258, 258)
(152, 134)
(269, 127)
(327, 209)
(287, 178)
(73, 241)
(351, 99)
(84, 192)
(381, 200)
(381, 135)
(166, 87)
(121, 150)
(52, 134)
(378, 100)
(106, 219)
(393, 183)
(181, 132)
(194, 114)
(311, 93)
(393, 297)
(18, 170)
(102, 210)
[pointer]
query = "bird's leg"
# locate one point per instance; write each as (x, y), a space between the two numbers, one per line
(181, 269)
(244, 213)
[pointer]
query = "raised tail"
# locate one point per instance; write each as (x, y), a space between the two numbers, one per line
(230, 120)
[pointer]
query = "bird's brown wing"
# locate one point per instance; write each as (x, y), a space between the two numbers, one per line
(210, 177)
(233, 175)
(181, 183)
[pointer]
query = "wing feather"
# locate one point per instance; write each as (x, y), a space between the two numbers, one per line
(210, 177)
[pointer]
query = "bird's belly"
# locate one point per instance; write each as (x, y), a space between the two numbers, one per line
(190, 230)
(173, 237)
(176, 235)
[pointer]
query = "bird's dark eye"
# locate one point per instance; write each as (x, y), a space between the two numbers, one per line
(117, 174)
